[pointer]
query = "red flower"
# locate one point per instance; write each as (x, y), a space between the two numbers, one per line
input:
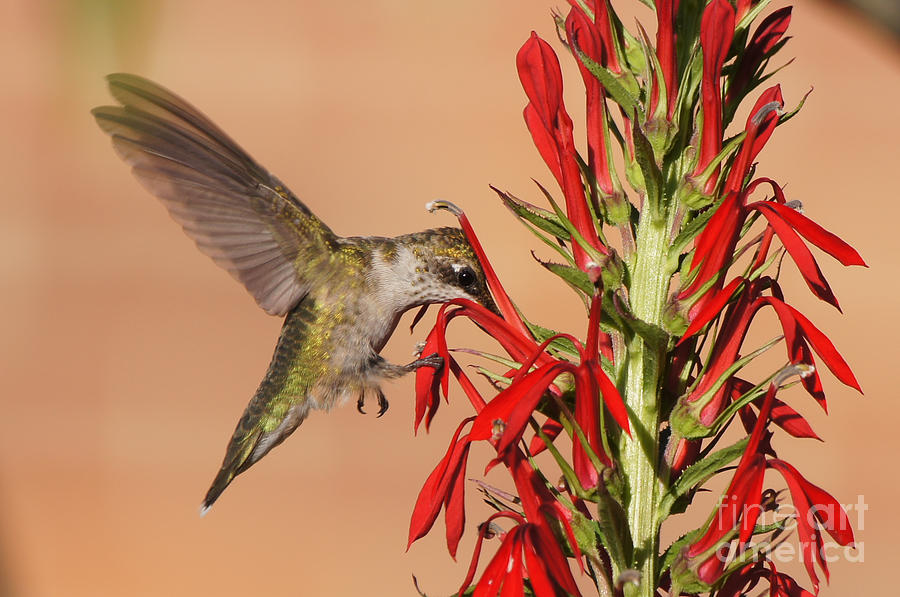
(532, 542)
(760, 124)
(444, 487)
(706, 401)
(742, 581)
(505, 418)
(714, 247)
(716, 33)
(551, 129)
(742, 503)
(585, 36)
(765, 38)
(665, 53)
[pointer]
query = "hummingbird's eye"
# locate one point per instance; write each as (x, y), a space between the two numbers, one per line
(465, 276)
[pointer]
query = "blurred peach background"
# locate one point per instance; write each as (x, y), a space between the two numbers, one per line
(126, 357)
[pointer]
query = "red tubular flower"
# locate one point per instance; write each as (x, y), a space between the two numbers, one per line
(523, 553)
(742, 503)
(444, 487)
(744, 580)
(787, 223)
(764, 39)
(551, 129)
(714, 247)
(716, 33)
(712, 252)
(801, 339)
(760, 124)
(505, 418)
(665, 52)
(815, 508)
(584, 36)
(430, 380)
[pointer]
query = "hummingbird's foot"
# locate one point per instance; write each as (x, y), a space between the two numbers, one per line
(433, 360)
(382, 402)
(391, 371)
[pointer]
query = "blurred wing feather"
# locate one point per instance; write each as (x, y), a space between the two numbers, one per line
(235, 211)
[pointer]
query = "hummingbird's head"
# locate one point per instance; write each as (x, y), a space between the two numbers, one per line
(439, 265)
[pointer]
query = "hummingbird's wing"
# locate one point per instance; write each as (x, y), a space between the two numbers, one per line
(233, 209)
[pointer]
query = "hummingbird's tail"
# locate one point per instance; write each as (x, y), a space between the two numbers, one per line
(245, 448)
(278, 407)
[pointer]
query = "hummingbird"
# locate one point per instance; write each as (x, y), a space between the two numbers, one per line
(341, 297)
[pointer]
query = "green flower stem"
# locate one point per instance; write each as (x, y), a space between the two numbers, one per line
(643, 367)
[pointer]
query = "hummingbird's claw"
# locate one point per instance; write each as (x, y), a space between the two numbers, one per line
(382, 402)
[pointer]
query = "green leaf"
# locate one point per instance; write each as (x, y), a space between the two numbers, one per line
(688, 233)
(697, 474)
(785, 117)
(541, 218)
(751, 15)
(562, 345)
(623, 90)
(675, 548)
(573, 276)
(595, 255)
(653, 178)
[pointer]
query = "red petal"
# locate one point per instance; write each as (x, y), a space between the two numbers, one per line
(827, 509)
(519, 403)
(433, 492)
(427, 383)
(551, 429)
(543, 140)
(495, 572)
(587, 417)
(583, 35)
(611, 397)
(825, 240)
(454, 508)
(819, 341)
(715, 245)
(665, 48)
(791, 421)
(547, 547)
(514, 583)
(541, 78)
(716, 33)
(760, 124)
(537, 570)
(810, 539)
(711, 309)
(798, 250)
